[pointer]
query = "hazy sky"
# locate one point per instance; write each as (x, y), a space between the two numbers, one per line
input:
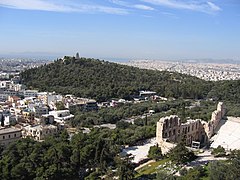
(133, 29)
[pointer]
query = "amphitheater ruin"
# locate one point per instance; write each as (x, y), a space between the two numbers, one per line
(196, 132)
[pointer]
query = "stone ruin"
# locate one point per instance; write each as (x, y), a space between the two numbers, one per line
(171, 129)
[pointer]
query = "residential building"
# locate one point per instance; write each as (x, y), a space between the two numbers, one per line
(5, 84)
(61, 115)
(91, 105)
(147, 94)
(28, 115)
(47, 119)
(9, 134)
(10, 120)
(13, 99)
(30, 93)
(40, 110)
(80, 103)
(39, 132)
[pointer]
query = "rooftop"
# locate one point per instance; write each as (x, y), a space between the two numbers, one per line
(39, 127)
(9, 130)
(59, 111)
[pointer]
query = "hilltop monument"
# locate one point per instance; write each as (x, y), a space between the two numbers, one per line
(77, 56)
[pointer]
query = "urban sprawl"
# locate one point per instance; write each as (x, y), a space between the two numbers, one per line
(30, 113)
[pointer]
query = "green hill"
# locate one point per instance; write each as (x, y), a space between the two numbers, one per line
(103, 80)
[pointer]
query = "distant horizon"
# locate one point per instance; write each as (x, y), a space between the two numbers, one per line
(54, 56)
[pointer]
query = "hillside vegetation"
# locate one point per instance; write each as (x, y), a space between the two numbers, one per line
(105, 80)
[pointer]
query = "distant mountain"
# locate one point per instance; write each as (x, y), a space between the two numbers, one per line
(104, 80)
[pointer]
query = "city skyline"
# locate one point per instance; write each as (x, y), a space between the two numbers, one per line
(139, 29)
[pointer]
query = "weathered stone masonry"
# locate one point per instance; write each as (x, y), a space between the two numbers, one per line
(172, 129)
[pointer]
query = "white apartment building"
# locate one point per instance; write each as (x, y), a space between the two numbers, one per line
(5, 84)
(62, 115)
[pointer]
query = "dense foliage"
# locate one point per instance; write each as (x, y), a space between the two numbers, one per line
(104, 80)
(124, 111)
(226, 90)
(60, 158)
(226, 170)
(155, 152)
(219, 151)
(180, 154)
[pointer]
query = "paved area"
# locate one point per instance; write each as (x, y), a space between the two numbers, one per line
(204, 158)
(140, 152)
(227, 134)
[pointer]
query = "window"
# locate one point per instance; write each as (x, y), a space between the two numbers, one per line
(15, 135)
(9, 136)
(166, 135)
(3, 137)
(166, 124)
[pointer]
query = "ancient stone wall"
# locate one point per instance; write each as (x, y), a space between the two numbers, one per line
(168, 128)
(217, 115)
(171, 128)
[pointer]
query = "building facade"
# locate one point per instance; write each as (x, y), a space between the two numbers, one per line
(39, 132)
(217, 115)
(171, 129)
(9, 134)
(61, 116)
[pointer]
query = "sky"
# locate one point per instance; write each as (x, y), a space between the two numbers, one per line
(121, 29)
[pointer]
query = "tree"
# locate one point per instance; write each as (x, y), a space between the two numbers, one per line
(125, 168)
(219, 151)
(195, 173)
(180, 154)
(163, 175)
(233, 168)
(218, 170)
(93, 176)
(60, 105)
(155, 152)
(64, 136)
(122, 124)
